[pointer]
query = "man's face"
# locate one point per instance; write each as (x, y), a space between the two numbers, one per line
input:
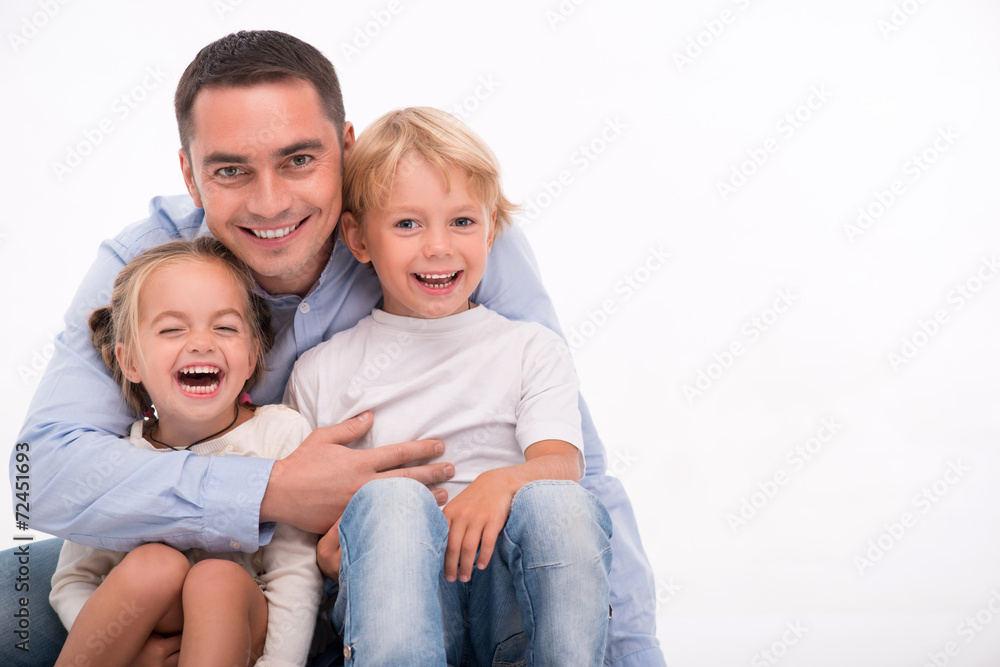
(266, 166)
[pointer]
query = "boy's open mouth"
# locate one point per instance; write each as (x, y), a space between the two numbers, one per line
(437, 280)
(199, 379)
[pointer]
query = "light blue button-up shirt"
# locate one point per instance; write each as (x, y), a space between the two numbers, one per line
(89, 487)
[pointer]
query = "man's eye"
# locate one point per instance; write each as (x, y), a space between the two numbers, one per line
(229, 172)
(301, 160)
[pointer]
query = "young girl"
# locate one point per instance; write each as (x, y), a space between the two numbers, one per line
(185, 337)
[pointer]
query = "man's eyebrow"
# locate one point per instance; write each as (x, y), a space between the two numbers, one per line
(298, 147)
(220, 157)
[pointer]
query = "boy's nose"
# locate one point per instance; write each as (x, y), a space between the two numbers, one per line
(437, 242)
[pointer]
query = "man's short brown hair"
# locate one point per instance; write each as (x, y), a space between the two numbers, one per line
(246, 58)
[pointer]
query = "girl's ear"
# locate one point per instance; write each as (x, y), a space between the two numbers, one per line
(125, 362)
(355, 238)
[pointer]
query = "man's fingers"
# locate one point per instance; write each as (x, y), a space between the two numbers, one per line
(393, 456)
(348, 430)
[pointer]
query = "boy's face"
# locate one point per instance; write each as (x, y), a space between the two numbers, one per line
(428, 243)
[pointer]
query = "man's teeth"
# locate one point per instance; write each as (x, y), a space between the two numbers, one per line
(273, 233)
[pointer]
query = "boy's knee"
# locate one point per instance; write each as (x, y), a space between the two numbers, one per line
(553, 512)
(392, 511)
(393, 500)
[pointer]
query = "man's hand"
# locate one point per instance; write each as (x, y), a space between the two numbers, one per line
(159, 651)
(475, 518)
(310, 488)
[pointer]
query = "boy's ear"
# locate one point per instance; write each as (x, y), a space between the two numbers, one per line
(354, 237)
(129, 369)
(493, 231)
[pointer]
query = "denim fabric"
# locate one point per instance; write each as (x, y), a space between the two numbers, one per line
(542, 600)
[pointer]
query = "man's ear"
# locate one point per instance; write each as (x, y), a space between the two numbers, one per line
(127, 364)
(348, 138)
(188, 173)
(354, 237)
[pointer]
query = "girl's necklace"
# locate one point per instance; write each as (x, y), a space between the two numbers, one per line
(160, 442)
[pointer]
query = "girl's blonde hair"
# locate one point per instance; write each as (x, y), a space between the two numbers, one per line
(437, 137)
(119, 322)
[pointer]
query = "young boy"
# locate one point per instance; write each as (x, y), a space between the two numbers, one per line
(515, 567)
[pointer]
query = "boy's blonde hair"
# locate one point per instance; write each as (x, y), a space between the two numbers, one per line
(437, 137)
(119, 322)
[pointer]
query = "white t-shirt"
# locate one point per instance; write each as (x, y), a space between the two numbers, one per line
(486, 386)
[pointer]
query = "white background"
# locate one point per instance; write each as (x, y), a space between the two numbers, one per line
(809, 111)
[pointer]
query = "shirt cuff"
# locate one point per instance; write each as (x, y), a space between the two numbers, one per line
(234, 489)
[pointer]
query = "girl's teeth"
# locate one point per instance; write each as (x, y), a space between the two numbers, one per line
(200, 390)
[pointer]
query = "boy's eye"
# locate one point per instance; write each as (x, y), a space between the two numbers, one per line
(406, 224)
(464, 222)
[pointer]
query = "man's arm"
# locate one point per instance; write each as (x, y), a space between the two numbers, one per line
(91, 487)
(512, 287)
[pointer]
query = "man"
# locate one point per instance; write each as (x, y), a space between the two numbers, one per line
(263, 140)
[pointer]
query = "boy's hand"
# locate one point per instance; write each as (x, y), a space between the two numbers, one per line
(475, 518)
(328, 553)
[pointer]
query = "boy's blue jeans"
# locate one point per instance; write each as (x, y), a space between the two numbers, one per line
(542, 600)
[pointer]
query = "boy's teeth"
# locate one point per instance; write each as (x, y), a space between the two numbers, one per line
(273, 233)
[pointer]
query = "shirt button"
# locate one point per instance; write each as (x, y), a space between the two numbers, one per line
(347, 652)
(234, 544)
(303, 307)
